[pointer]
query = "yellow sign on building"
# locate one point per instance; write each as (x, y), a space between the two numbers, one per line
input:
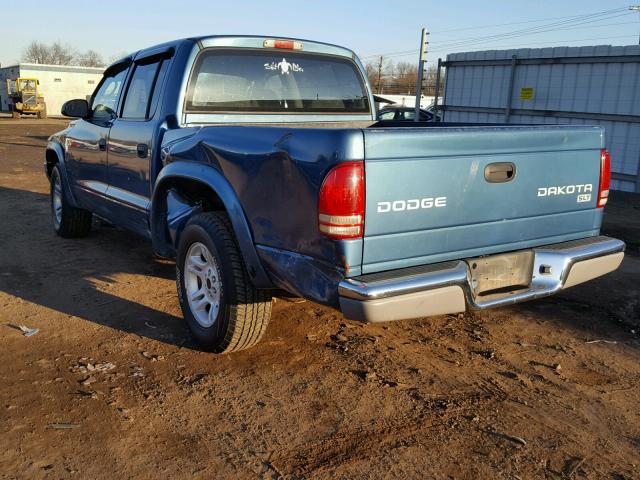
(527, 93)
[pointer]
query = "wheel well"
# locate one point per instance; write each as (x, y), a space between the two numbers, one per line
(176, 200)
(196, 193)
(52, 159)
(167, 222)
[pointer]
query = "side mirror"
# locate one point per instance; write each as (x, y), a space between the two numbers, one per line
(75, 108)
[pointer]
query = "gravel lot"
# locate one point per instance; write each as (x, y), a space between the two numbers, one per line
(112, 386)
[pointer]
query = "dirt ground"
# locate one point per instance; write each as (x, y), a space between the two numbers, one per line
(112, 385)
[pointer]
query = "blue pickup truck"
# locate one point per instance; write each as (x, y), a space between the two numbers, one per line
(258, 164)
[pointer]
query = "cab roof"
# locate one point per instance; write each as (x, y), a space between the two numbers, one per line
(236, 41)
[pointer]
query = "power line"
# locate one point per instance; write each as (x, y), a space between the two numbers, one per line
(488, 47)
(506, 35)
(554, 26)
(446, 47)
(449, 46)
(537, 30)
(554, 41)
(403, 52)
(512, 23)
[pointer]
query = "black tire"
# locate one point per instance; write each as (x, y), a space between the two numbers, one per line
(42, 113)
(70, 222)
(243, 311)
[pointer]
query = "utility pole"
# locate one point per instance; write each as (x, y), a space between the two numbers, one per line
(380, 65)
(423, 59)
(637, 9)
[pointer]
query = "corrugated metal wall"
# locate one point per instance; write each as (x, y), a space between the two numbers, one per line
(597, 85)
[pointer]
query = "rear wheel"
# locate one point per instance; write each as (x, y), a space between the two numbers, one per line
(42, 113)
(223, 309)
(68, 221)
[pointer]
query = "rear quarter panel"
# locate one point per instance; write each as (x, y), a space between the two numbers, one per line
(276, 173)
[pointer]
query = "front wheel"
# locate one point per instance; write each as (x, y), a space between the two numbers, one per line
(223, 309)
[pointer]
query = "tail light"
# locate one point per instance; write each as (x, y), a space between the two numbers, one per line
(341, 206)
(283, 44)
(605, 178)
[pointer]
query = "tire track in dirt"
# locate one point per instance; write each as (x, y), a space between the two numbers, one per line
(355, 443)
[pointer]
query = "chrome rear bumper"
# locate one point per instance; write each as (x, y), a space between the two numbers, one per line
(446, 287)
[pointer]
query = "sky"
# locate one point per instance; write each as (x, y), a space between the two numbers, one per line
(116, 27)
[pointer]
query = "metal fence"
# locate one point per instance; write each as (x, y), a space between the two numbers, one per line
(597, 85)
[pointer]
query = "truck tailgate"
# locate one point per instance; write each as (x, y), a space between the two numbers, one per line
(437, 194)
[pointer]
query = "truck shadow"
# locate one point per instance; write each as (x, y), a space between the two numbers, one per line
(593, 317)
(94, 278)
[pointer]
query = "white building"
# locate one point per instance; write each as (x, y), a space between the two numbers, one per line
(58, 83)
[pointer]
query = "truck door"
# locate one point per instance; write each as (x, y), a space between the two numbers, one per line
(131, 142)
(86, 142)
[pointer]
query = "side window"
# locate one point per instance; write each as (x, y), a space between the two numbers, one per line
(408, 115)
(388, 115)
(137, 103)
(105, 100)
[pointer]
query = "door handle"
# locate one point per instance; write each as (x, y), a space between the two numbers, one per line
(500, 172)
(102, 144)
(143, 150)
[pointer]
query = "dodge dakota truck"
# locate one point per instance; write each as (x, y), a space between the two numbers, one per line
(258, 164)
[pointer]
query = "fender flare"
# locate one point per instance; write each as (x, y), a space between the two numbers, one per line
(215, 181)
(66, 185)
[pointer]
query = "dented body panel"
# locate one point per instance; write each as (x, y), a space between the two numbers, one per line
(281, 167)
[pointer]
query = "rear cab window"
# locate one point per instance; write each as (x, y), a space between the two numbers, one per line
(268, 82)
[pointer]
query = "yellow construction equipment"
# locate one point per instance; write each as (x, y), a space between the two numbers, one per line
(26, 98)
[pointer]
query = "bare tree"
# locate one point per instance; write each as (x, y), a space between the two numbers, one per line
(61, 54)
(405, 78)
(376, 71)
(371, 72)
(36, 52)
(55, 54)
(90, 58)
(429, 80)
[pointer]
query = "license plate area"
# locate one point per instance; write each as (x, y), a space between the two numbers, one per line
(501, 273)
